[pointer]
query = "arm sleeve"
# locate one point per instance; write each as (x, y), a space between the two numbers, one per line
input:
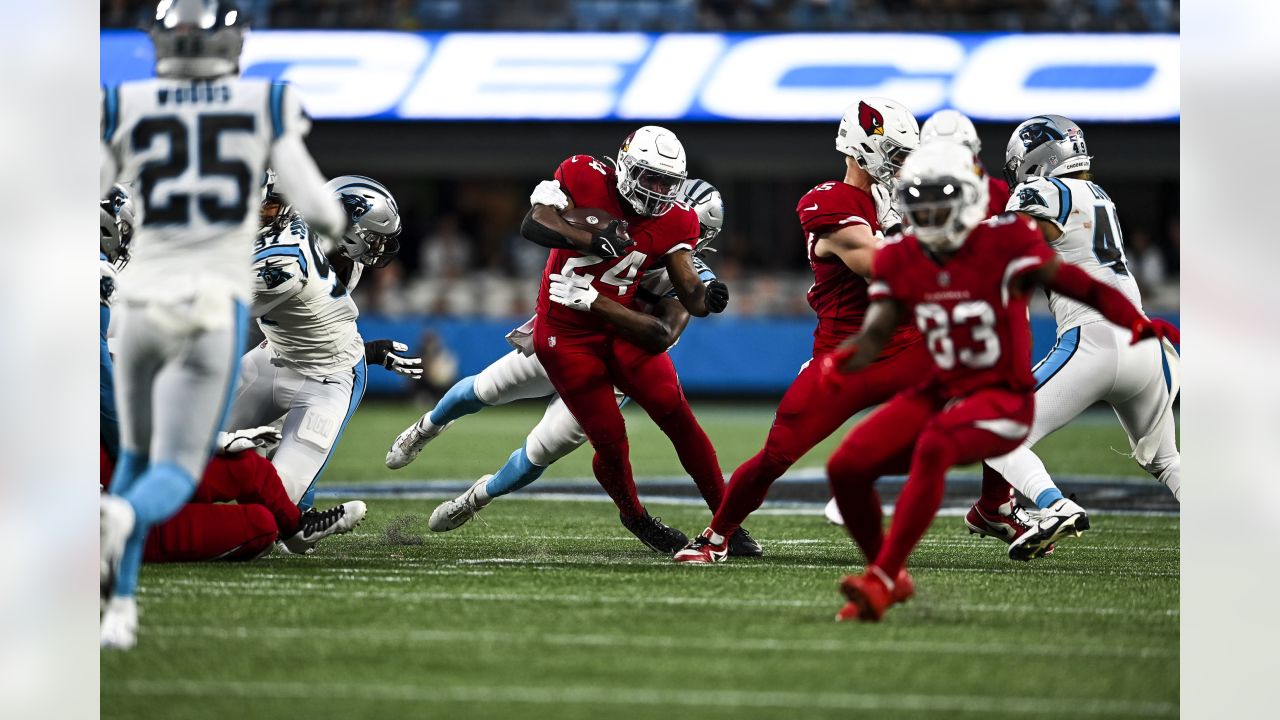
(1075, 283)
(300, 180)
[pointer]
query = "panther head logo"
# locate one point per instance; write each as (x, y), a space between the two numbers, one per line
(1029, 196)
(356, 206)
(870, 119)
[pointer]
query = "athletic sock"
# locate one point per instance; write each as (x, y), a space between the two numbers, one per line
(1024, 470)
(1048, 497)
(918, 503)
(518, 471)
(461, 400)
(747, 489)
(996, 492)
(613, 471)
(155, 497)
(129, 467)
(852, 481)
(697, 454)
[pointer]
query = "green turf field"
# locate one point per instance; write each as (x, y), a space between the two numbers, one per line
(549, 609)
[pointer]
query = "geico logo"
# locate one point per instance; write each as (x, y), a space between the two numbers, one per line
(702, 76)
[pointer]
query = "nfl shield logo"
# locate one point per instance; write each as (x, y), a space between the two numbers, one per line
(551, 341)
(944, 278)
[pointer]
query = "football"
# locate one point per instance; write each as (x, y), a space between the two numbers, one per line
(589, 219)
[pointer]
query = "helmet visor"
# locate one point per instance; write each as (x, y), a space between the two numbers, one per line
(931, 205)
(381, 250)
(657, 189)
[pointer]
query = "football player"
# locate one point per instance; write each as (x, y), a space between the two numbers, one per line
(583, 355)
(1048, 160)
(956, 126)
(311, 368)
(965, 281)
(657, 326)
(196, 137)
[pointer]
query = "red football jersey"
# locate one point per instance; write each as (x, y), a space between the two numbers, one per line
(997, 195)
(591, 183)
(974, 324)
(838, 294)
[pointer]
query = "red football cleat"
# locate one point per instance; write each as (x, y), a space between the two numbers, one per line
(857, 589)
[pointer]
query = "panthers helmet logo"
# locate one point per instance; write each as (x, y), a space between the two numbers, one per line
(1029, 196)
(356, 206)
(870, 119)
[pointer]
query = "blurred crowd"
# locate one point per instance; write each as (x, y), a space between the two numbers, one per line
(693, 15)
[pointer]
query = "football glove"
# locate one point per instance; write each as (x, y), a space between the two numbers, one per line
(260, 437)
(1144, 328)
(383, 352)
(717, 297)
(887, 215)
(831, 366)
(548, 192)
(572, 291)
(612, 242)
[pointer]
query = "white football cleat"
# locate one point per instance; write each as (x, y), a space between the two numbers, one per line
(453, 514)
(1061, 519)
(317, 525)
(832, 513)
(119, 629)
(115, 523)
(409, 443)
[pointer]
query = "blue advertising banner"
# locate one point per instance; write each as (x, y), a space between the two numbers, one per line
(699, 76)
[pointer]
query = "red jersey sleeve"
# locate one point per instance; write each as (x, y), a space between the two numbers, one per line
(1026, 248)
(884, 271)
(680, 230)
(833, 205)
(576, 171)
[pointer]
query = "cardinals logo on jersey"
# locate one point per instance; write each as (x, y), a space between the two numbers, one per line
(870, 119)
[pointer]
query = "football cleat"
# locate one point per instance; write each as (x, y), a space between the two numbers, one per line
(317, 525)
(115, 523)
(702, 551)
(409, 443)
(832, 513)
(453, 514)
(119, 630)
(657, 536)
(904, 588)
(741, 544)
(1061, 519)
(1009, 523)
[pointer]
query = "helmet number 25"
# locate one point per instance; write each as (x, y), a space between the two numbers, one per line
(621, 275)
(983, 348)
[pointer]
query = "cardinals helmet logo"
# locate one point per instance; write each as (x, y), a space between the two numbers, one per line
(870, 119)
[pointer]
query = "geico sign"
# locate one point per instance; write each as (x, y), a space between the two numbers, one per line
(703, 76)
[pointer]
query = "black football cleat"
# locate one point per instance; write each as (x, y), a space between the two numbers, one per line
(654, 534)
(741, 544)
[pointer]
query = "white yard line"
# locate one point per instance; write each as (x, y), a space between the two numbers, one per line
(421, 692)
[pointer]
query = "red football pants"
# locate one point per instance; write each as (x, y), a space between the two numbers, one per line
(584, 369)
(808, 414)
(925, 433)
(207, 528)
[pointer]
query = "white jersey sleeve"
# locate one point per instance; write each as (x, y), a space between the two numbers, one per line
(300, 180)
(1042, 198)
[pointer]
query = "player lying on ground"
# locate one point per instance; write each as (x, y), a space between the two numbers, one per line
(196, 137)
(1091, 361)
(311, 368)
(966, 282)
(842, 223)
(206, 528)
(519, 374)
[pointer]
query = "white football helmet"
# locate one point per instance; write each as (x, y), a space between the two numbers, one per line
(1045, 146)
(116, 225)
(275, 212)
(878, 133)
(650, 168)
(372, 236)
(942, 194)
(952, 125)
(704, 199)
(197, 38)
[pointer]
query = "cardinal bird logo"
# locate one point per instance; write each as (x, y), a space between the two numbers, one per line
(870, 119)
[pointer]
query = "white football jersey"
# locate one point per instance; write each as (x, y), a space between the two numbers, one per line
(302, 307)
(195, 151)
(1090, 239)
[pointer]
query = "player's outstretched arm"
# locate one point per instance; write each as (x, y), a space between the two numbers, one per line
(854, 244)
(301, 182)
(1069, 280)
(699, 299)
(859, 350)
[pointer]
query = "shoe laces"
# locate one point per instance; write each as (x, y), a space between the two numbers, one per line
(313, 520)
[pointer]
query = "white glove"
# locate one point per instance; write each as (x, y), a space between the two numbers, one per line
(573, 291)
(887, 214)
(548, 192)
(241, 440)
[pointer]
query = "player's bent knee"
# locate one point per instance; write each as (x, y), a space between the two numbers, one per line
(260, 533)
(849, 464)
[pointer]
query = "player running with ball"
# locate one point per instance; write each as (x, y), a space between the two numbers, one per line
(966, 282)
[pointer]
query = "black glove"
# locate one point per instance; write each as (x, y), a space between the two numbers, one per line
(717, 298)
(383, 352)
(613, 241)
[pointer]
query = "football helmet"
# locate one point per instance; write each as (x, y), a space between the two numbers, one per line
(275, 212)
(704, 199)
(942, 194)
(1045, 146)
(116, 223)
(952, 125)
(650, 169)
(197, 38)
(373, 232)
(878, 133)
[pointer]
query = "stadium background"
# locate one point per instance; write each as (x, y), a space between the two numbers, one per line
(464, 276)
